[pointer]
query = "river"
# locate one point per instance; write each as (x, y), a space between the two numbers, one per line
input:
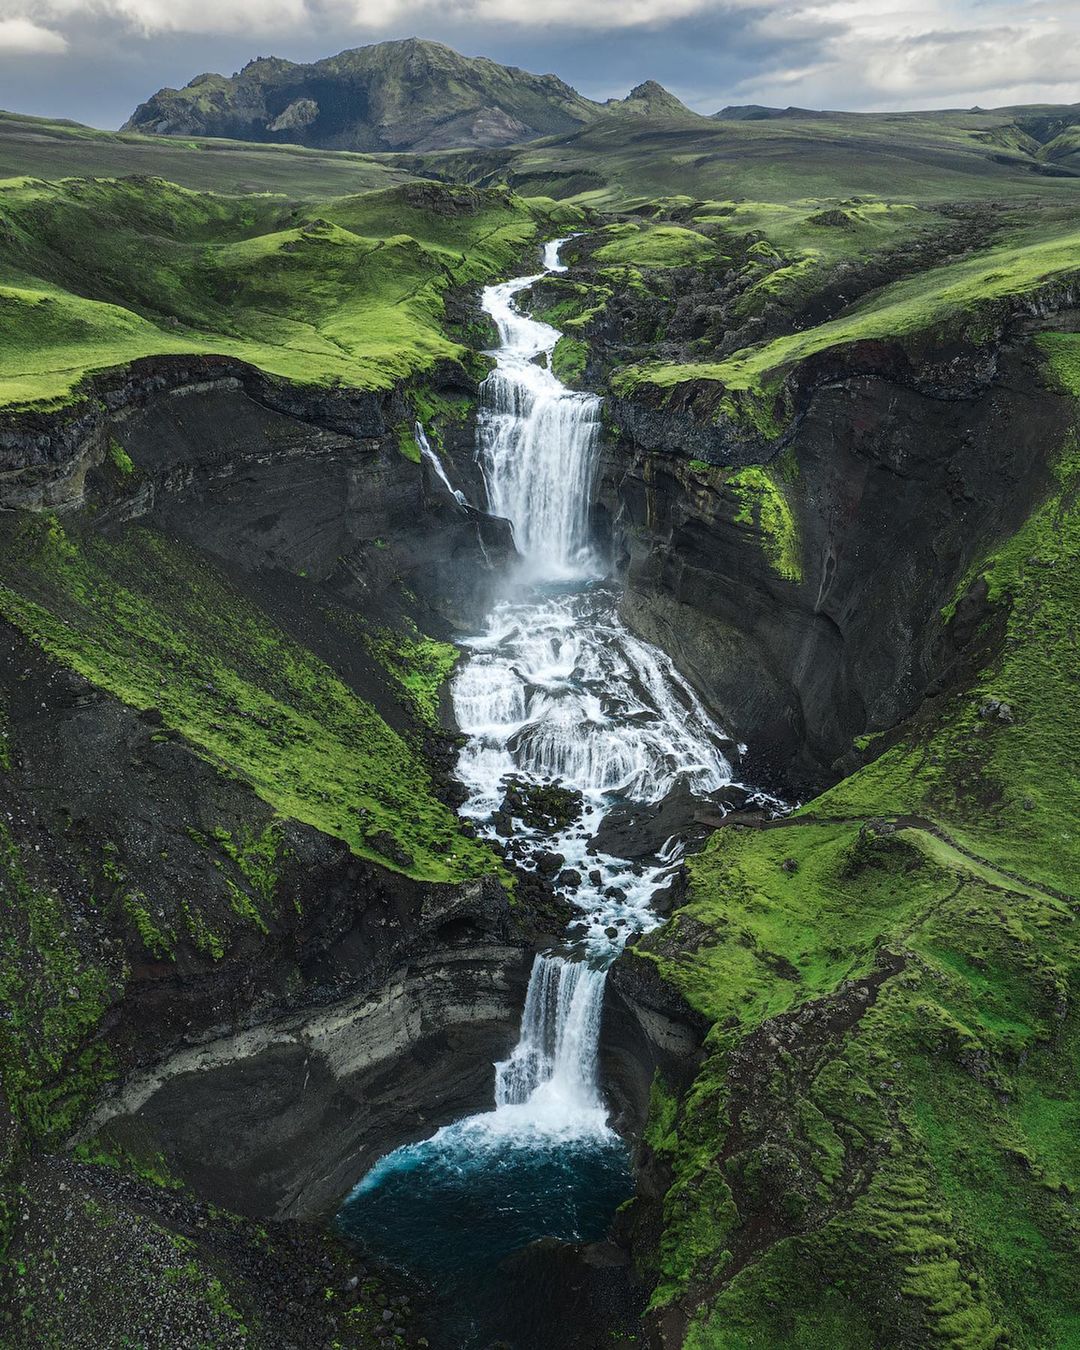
(554, 689)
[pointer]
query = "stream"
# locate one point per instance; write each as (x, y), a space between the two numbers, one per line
(555, 689)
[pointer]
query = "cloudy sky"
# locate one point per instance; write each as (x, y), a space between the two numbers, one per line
(93, 60)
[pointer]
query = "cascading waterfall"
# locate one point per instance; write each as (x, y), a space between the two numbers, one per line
(555, 689)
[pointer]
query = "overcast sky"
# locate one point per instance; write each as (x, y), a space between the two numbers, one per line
(94, 60)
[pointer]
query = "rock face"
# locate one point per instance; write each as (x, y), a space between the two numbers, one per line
(267, 475)
(896, 489)
(300, 1106)
(407, 95)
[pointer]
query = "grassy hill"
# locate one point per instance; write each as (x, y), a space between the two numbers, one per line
(616, 161)
(40, 148)
(97, 273)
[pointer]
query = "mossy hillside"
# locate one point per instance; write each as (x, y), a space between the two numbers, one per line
(798, 246)
(896, 961)
(849, 1137)
(965, 300)
(419, 666)
(148, 620)
(99, 273)
(618, 163)
(1004, 782)
(646, 245)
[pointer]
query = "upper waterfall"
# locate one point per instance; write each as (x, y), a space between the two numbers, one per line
(537, 439)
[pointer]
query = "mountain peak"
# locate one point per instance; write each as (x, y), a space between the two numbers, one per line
(650, 99)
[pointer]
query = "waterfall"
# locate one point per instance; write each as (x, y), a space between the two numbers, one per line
(555, 1057)
(555, 690)
(537, 442)
(426, 452)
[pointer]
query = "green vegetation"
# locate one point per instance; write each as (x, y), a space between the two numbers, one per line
(882, 1145)
(568, 360)
(121, 459)
(962, 299)
(151, 622)
(36, 147)
(620, 163)
(54, 998)
(655, 246)
(99, 273)
(419, 665)
(862, 1141)
(764, 507)
(1004, 782)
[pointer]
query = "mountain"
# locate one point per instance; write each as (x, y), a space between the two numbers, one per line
(759, 112)
(649, 100)
(404, 95)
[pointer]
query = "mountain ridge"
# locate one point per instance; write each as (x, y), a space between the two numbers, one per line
(408, 94)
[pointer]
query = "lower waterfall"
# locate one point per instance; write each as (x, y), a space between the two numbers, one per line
(555, 690)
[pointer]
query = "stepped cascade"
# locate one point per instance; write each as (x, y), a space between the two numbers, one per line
(554, 690)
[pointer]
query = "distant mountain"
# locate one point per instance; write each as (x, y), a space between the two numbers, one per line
(649, 100)
(759, 112)
(405, 95)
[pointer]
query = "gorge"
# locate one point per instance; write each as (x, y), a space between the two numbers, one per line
(399, 940)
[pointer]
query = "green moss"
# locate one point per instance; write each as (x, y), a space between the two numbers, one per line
(155, 625)
(158, 940)
(655, 246)
(763, 505)
(660, 1129)
(204, 938)
(54, 998)
(419, 665)
(568, 360)
(406, 443)
(120, 458)
(150, 1167)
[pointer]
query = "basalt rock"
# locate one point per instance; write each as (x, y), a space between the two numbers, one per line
(896, 491)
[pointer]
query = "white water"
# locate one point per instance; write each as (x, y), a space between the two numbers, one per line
(556, 689)
(426, 453)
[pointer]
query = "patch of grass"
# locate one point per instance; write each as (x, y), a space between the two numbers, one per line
(419, 665)
(121, 459)
(568, 360)
(764, 507)
(656, 246)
